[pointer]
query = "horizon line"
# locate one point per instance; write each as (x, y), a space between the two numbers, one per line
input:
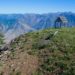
(38, 13)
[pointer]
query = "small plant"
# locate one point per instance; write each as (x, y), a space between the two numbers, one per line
(18, 73)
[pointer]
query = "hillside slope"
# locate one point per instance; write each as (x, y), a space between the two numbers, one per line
(46, 52)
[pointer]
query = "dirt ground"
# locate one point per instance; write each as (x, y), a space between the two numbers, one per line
(22, 64)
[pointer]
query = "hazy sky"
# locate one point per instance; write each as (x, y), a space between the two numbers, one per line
(36, 6)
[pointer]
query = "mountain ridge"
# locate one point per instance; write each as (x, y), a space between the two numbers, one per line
(14, 23)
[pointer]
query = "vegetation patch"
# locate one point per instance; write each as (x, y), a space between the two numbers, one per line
(43, 53)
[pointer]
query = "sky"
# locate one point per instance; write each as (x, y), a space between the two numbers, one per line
(36, 6)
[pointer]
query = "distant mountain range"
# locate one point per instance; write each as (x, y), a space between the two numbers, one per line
(13, 25)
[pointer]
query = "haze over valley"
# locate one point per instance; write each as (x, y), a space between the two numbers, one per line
(13, 25)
